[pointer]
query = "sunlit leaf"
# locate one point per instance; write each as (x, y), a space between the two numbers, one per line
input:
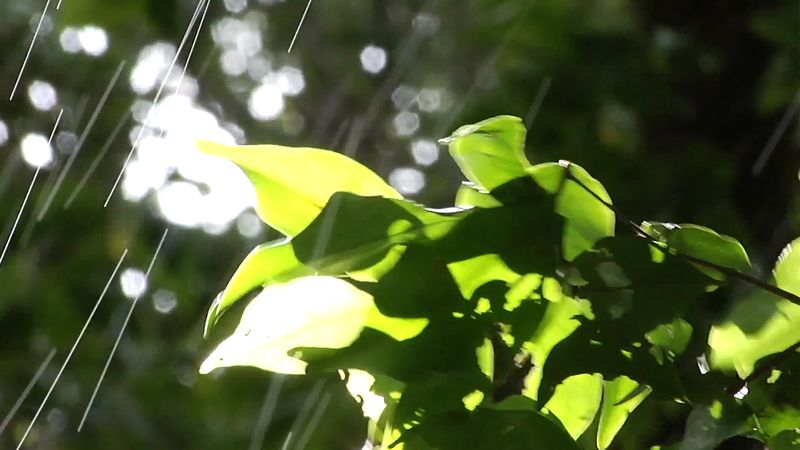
(269, 263)
(472, 273)
(587, 219)
(706, 244)
(576, 401)
(364, 237)
(559, 321)
(671, 338)
(762, 323)
(294, 184)
(313, 311)
(773, 420)
(469, 195)
(620, 397)
(485, 354)
(491, 152)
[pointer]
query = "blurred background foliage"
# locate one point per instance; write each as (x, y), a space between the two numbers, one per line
(685, 110)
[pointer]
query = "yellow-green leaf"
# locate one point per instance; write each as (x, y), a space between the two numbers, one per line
(294, 184)
(491, 152)
(314, 311)
(620, 397)
(268, 263)
(587, 219)
(762, 323)
(576, 401)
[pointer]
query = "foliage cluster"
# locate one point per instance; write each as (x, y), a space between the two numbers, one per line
(520, 318)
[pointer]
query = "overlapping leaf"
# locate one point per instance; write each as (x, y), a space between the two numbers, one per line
(761, 324)
(315, 311)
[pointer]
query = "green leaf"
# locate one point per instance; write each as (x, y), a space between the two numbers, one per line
(470, 274)
(672, 338)
(587, 219)
(559, 321)
(710, 425)
(491, 152)
(315, 311)
(620, 397)
(294, 184)
(576, 401)
(773, 420)
(492, 429)
(485, 355)
(785, 440)
(470, 195)
(762, 323)
(706, 244)
(273, 262)
(364, 240)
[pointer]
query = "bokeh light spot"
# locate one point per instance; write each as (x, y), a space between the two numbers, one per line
(36, 151)
(373, 59)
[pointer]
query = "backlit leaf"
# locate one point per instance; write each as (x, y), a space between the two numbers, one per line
(491, 152)
(313, 311)
(294, 184)
(762, 323)
(620, 398)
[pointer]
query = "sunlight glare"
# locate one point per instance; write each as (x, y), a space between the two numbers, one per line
(42, 95)
(373, 59)
(93, 40)
(36, 151)
(266, 102)
(133, 282)
(151, 65)
(3, 133)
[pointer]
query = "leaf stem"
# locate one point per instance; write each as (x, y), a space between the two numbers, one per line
(693, 259)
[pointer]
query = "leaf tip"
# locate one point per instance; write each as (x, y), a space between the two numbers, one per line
(208, 147)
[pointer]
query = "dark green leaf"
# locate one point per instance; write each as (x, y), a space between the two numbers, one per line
(492, 429)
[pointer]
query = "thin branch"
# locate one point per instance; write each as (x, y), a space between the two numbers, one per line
(693, 259)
